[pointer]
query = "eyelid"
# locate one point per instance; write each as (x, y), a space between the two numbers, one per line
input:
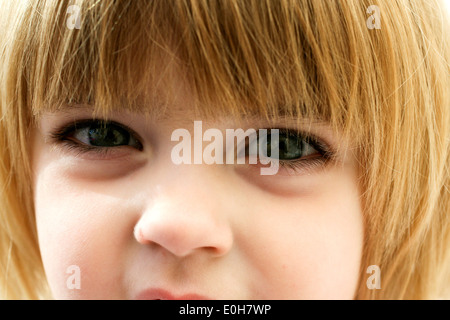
(318, 143)
(304, 164)
(62, 132)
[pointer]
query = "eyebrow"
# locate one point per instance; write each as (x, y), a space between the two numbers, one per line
(157, 108)
(140, 108)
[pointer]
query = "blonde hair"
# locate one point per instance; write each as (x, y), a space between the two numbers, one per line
(387, 89)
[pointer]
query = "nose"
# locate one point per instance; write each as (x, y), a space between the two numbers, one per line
(185, 223)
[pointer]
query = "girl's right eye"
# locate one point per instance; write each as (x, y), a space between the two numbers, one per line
(98, 134)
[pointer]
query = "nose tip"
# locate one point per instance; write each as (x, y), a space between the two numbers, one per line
(183, 233)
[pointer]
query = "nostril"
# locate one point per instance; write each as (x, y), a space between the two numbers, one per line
(215, 251)
(139, 235)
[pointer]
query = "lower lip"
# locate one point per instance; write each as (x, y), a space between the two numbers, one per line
(160, 294)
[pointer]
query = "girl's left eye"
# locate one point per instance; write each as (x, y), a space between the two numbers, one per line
(291, 146)
(98, 134)
(296, 150)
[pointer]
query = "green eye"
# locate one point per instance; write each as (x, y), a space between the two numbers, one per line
(103, 134)
(291, 146)
(108, 136)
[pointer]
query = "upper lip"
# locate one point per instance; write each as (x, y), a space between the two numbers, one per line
(162, 294)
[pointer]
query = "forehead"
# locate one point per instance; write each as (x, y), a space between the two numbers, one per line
(171, 95)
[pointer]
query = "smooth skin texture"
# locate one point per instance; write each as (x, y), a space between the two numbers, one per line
(133, 220)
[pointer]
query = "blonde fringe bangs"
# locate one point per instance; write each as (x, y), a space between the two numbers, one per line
(387, 89)
(235, 57)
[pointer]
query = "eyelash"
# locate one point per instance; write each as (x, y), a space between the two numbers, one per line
(327, 154)
(62, 135)
(303, 164)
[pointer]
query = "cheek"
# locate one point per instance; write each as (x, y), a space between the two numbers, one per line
(313, 243)
(80, 227)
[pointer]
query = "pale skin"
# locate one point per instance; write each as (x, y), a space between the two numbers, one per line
(132, 220)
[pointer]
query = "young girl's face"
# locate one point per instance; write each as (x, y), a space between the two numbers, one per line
(118, 219)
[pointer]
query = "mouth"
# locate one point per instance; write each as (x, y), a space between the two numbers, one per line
(161, 294)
